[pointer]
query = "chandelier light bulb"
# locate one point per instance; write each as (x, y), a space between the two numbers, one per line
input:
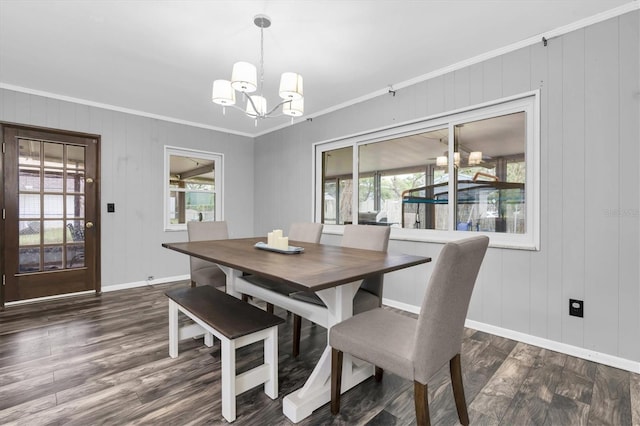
(223, 94)
(244, 77)
(291, 86)
(260, 104)
(294, 108)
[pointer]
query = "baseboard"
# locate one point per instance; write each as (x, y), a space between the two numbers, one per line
(599, 357)
(135, 284)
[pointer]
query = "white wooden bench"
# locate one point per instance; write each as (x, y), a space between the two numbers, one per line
(236, 324)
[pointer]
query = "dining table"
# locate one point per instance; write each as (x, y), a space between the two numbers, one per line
(334, 273)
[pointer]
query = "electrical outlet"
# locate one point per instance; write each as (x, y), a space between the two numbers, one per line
(576, 308)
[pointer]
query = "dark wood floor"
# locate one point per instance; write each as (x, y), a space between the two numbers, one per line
(104, 360)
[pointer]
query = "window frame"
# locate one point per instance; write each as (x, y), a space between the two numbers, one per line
(218, 191)
(528, 102)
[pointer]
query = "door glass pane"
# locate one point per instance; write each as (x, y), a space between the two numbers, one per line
(29, 179)
(29, 259)
(53, 154)
(52, 258)
(53, 232)
(29, 152)
(28, 232)
(53, 206)
(75, 157)
(75, 206)
(29, 206)
(75, 255)
(53, 180)
(75, 230)
(75, 181)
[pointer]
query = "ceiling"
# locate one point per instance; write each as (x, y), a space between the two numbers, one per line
(161, 57)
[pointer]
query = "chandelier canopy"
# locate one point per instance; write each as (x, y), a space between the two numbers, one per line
(244, 80)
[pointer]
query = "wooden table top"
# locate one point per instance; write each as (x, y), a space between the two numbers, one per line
(319, 266)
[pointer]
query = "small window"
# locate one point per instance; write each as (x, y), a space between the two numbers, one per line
(193, 182)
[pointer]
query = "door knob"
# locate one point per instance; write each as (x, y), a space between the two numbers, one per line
(89, 225)
(89, 180)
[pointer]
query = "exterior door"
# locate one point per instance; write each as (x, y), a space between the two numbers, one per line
(50, 243)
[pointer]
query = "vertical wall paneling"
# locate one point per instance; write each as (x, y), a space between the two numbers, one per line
(449, 92)
(602, 163)
(38, 110)
(539, 276)
(573, 180)
(516, 78)
(462, 88)
(53, 113)
(476, 84)
(516, 72)
(492, 285)
(419, 92)
(629, 176)
(492, 79)
(553, 91)
(435, 95)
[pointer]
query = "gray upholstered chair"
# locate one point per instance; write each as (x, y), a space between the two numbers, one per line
(203, 272)
(369, 295)
(417, 348)
(304, 232)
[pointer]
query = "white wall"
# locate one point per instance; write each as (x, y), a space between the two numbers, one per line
(132, 174)
(589, 82)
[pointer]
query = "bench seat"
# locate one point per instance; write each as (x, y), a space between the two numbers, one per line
(236, 324)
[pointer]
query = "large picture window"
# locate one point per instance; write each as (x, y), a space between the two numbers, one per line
(193, 183)
(485, 159)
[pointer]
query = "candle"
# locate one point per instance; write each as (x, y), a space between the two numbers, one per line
(270, 239)
(283, 243)
(277, 233)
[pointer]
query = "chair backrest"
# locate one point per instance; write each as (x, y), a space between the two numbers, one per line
(444, 308)
(307, 232)
(368, 237)
(205, 231)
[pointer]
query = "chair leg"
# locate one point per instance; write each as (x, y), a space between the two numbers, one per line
(458, 389)
(270, 308)
(378, 374)
(245, 298)
(336, 380)
(193, 283)
(297, 326)
(421, 398)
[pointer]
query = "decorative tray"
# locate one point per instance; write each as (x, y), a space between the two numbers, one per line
(291, 250)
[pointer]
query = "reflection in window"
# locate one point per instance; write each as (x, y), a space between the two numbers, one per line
(337, 181)
(491, 174)
(192, 182)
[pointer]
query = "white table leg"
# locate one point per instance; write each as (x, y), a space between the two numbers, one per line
(173, 329)
(317, 390)
(231, 274)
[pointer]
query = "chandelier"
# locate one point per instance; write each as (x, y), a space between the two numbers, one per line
(244, 81)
